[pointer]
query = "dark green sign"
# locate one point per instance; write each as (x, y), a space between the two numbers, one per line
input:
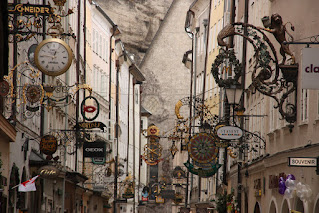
(204, 173)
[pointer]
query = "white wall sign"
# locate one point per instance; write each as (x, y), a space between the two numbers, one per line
(229, 132)
(302, 161)
(310, 68)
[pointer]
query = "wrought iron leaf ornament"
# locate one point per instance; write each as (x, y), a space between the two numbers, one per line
(278, 81)
(232, 63)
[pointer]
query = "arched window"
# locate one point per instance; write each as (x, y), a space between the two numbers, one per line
(285, 207)
(316, 209)
(272, 208)
(257, 208)
(299, 205)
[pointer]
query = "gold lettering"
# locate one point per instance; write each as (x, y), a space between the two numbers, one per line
(37, 9)
(47, 10)
(31, 9)
(42, 9)
(18, 8)
(26, 9)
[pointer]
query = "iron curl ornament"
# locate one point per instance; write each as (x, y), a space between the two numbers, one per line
(278, 81)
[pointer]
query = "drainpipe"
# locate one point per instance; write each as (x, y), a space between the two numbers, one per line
(128, 122)
(116, 135)
(242, 104)
(206, 57)
(77, 114)
(134, 144)
(189, 32)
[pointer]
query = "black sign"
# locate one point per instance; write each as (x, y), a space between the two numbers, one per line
(30, 9)
(94, 149)
(49, 171)
(48, 144)
(168, 194)
(91, 125)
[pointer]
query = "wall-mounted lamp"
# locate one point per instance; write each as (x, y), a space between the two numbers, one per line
(234, 94)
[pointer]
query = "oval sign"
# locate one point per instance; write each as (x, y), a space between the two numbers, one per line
(49, 171)
(229, 132)
(48, 144)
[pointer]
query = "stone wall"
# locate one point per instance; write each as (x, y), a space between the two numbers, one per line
(138, 21)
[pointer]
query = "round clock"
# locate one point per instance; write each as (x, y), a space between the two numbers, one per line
(53, 57)
(202, 148)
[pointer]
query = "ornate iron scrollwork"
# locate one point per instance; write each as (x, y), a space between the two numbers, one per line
(269, 77)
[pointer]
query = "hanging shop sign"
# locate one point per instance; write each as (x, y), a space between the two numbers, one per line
(90, 108)
(4, 88)
(178, 198)
(30, 9)
(91, 125)
(153, 131)
(310, 68)
(159, 199)
(94, 149)
(98, 160)
(302, 161)
(145, 193)
(179, 173)
(49, 171)
(48, 144)
(204, 173)
(98, 188)
(229, 132)
(168, 194)
(152, 150)
(202, 148)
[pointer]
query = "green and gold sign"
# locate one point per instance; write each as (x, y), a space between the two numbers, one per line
(30, 9)
(204, 173)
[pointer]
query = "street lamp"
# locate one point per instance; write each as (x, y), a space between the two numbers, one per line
(233, 94)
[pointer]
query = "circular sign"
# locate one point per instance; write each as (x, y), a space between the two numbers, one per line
(4, 88)
(48, 144)
(202, 148)
(90, 112)
(152, 130)
(229, 132)
(33, 93)
(49, 171)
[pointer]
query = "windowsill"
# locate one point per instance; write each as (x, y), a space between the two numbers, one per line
(303, 123)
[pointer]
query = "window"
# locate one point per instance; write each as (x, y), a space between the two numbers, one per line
(210, 40)
(214, 36)
(100, 46)
(94, 40)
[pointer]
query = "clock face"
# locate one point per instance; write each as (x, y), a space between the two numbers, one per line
(53, 57)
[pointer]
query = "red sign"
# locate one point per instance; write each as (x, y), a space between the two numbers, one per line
(144, 198)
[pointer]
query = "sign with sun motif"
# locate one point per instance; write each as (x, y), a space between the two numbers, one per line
(152, 131)
(202, 148)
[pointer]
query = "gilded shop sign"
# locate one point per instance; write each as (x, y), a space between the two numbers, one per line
(91, 125)
(49, 171)
(30, 9)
